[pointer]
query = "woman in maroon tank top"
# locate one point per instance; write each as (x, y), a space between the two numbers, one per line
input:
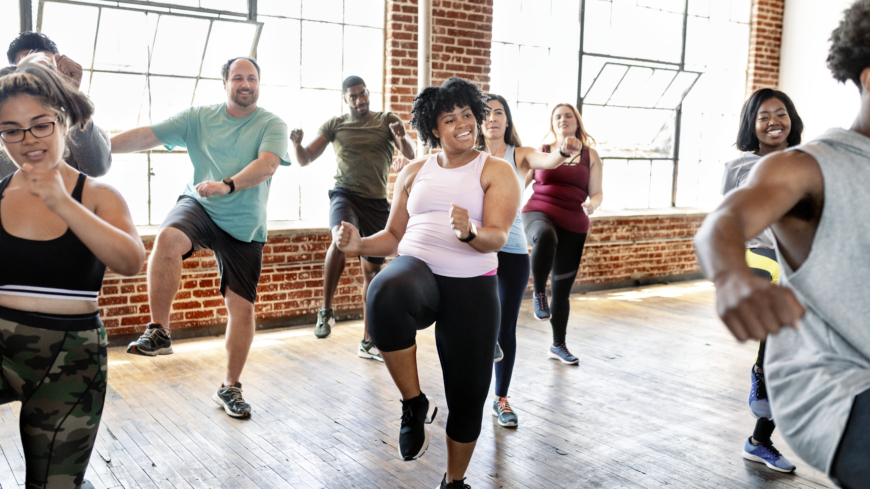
(556, 220)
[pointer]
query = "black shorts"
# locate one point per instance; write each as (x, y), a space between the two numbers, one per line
(368, 216)
(239, 262)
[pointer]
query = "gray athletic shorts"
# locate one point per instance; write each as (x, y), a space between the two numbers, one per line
(239, 262)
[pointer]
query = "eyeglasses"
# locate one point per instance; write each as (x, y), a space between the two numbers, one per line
(41, 130)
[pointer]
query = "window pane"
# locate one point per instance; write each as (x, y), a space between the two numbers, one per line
(507, 21)
(504, 74)
(607, 81)
(607, 24)
(228, 5)
(678, 89)
(315, 180)
(169, 96)
(359, 57)
(661, 183)
(124, 40)
(326, 10)
(284, 8)
(74, 39)
(613, 184)
(364, 12)
(129, 175)
(118, 101)
(171, 173)
(532, 85)
(227, 40)
(637, 184)
(9, 21)
(321, 55)
(210, 92)
(533, 123)
(278, 51)
(283, 202)
(630, 133)
(173, 32)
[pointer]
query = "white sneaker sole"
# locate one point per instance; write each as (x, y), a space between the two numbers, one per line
(161, 351)
(430, 416)
(369, 356)
(222, 404)
(557, 357)
(506, 425)
(755, 458)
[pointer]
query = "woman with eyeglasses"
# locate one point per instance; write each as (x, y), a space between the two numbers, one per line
(556, 220)
(58, 232)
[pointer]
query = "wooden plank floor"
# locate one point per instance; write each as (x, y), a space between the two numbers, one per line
(658, 400)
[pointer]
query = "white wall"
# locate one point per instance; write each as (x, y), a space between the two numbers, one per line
(821, 101)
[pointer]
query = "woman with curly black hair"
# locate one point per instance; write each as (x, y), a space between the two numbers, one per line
(769, 123)
(814, 198)
(451, 213)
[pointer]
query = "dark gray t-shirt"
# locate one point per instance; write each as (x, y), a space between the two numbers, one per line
(89, 152)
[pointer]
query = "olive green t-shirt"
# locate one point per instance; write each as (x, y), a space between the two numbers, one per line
(364, 152)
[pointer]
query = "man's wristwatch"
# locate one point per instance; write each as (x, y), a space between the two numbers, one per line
(229, 181)
(472, 233)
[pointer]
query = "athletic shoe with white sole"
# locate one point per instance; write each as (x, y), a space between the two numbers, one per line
(325, 322)
(367, 349)
(230, 398)
(562, 354)
(542, 309)
(457, 484)
(156, 340)
(413, 435)
(766, 454)
(501, 409)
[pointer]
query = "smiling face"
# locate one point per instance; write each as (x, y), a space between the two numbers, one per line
(496, 122)
(26, 112)
(242, 84)
(772, 126)
(456, 130)
(564, 121)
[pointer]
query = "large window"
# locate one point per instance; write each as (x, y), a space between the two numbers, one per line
(145, 61)
(10, 23)
(661, 83)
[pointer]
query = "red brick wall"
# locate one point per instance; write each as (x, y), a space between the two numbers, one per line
(291, 282)
(764, 44)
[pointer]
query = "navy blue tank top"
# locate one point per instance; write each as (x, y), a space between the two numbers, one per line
(60, 268)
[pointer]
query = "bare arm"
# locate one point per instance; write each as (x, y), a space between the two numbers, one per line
(257, 172)
(596, 175)
(529, 159)
(500, 204)
(402, 139)
(750, 306)
(138, 139)
(306, 154)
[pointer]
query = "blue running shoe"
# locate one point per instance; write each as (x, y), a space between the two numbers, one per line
(542, 309)
(766, 454)
(758, 402)
(562, 354)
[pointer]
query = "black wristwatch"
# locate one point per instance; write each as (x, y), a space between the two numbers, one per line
(472, 233)
(229, 181)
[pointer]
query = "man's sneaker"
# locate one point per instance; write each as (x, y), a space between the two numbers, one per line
(759, 404)
(765, 453)
(154, 341)
(501, 409)
(325, 322)
(456, 484)
(413, 436)
(367, 349)
(542, 309)
(499, 354)
(230, 398)
(562, 354)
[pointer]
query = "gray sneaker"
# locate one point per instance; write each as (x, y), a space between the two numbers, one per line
(501, 409)
(325, 322)
(230, 398)
(367, 349)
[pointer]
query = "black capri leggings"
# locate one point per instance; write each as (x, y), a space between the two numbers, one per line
(406, 296)
(513, 278)
(559, 251)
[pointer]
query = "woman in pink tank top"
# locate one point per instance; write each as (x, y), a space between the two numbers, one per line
(451, 213)
(556, 220)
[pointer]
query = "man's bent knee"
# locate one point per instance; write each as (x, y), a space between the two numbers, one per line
(172, 242)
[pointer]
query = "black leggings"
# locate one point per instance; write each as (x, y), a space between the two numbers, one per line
(558, 251)
(513, 278)
(851, 468)
(406, 296)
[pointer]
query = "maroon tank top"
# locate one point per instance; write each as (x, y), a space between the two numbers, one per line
(559, 193)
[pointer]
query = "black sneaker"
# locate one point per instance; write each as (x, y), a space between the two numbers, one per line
(413, 436)
(230, 398)
(460, 484)
(156, 340)
(542, 309)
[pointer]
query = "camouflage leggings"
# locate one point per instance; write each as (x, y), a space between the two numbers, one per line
(60, 379)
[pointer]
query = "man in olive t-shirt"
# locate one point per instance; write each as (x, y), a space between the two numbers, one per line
(364, 142)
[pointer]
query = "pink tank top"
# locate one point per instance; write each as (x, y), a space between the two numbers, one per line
(429, 236)
(560, 192)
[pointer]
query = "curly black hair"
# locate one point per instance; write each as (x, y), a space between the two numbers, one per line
(30, 41)
(434, 101)
(747, 139)
(850, 44)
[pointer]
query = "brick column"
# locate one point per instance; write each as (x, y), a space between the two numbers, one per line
(765, 41)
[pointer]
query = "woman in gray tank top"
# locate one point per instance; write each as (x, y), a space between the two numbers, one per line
(769, 123)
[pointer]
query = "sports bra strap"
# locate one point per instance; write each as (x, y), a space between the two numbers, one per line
(80, 185)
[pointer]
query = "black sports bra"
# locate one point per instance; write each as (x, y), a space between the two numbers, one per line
(60, 268)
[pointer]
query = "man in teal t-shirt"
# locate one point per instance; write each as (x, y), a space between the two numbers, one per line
(235, 148)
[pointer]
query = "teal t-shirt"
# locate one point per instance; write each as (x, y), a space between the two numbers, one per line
(220, 146)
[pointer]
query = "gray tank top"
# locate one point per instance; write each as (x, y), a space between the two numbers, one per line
(736, 174)
(814, 373)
